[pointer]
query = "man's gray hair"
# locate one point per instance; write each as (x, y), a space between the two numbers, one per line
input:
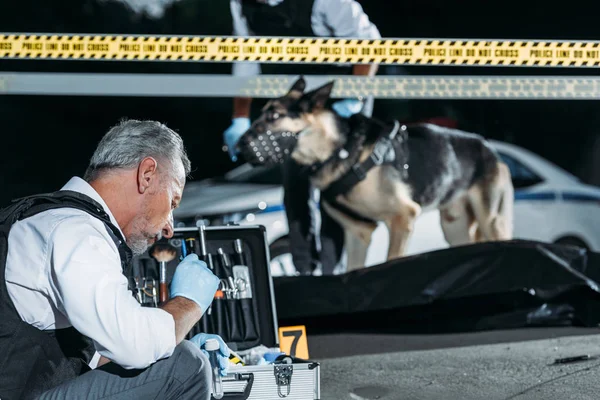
(126, 144)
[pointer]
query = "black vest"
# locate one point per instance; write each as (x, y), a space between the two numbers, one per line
(291, 18)
(31, 360)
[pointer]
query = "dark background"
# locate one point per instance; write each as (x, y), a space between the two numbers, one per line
(46, 140)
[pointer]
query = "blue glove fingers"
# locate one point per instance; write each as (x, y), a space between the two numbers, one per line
(231, 138)
(348, 107)
(191, 257)
(201, 338)
(223, 355)
(233, 134)
(222, 346)
(223, 365)
(193, 280)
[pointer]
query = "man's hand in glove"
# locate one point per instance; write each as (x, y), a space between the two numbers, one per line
(233, 134)
(193, 280)
(347, 107)
(223, 353)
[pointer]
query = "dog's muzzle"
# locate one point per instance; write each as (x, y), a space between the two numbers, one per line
(267, 148)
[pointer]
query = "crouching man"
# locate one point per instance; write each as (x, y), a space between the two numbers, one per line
(70, 327)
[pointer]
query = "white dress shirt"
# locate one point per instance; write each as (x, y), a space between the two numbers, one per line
(330, 18)
(63, 269)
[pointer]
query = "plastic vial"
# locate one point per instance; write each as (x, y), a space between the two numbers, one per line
(212, 347)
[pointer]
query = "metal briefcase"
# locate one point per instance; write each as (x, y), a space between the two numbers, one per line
(243, 312)
(298, 381)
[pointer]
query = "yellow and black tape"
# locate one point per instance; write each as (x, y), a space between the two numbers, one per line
(301, 50)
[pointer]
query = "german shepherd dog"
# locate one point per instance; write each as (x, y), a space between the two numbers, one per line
(370, 171)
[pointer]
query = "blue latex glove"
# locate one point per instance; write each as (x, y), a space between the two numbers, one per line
(223, 354)
(193, 280)
(233, 134)
(347, 107)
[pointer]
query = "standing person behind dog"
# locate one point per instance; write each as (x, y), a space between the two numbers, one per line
(316, 239)
(70, 327)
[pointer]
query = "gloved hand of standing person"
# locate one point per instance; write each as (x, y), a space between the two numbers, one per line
(233, 134)
(347, 107)
(193, 280)
(223, 354)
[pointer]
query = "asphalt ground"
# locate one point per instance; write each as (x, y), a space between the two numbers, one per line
(502, 364)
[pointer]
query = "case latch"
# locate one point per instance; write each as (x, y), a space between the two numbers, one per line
(283, 377)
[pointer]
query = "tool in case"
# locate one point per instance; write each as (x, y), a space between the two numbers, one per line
(243, 311)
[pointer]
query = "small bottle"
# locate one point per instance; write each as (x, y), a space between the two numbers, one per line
(190, 244)
(212, 347)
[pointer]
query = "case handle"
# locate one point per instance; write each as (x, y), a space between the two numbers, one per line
(244, 395)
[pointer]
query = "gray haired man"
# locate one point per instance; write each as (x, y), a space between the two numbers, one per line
(64, 276)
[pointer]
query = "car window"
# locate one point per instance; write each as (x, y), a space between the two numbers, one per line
(521, 175)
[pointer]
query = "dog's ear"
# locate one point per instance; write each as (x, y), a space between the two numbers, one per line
(297, 89)
(316, 99)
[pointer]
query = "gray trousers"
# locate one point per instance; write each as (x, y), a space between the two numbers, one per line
(184, 375)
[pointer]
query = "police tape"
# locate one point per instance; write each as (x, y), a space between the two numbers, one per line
(270, 86)
(535, 53)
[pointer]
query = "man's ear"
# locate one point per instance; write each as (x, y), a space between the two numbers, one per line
(297, 89)
(146, 174)
(316, 99)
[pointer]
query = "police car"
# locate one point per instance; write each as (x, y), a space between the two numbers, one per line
(551, 206)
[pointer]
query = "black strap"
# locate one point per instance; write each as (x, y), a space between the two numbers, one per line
(358, 171)
(352, 147)
(26, 207)
(349, 212)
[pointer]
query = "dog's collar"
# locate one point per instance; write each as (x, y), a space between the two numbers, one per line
(382, 150)
(349, 148)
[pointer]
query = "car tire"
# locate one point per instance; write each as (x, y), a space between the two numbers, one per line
(572, 241)
(281, 258)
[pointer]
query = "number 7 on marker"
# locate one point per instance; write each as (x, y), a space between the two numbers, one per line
(293, 341)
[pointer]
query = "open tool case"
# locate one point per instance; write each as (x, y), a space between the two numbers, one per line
(243, 312)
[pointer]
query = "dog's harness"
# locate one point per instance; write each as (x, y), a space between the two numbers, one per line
(273, 147)
(383, 152)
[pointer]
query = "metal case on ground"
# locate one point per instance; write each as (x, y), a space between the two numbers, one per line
(298, 381)
(289, 377)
